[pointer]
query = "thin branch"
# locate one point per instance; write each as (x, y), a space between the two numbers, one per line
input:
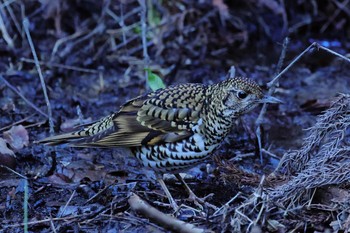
(37, 65)
(332, 52)
(7, 6)
(14, 172)
(65, 206)
(144, 35)
(275, 80)
(68, 67)
(4, 31)
(17, 122)
(7, 3)
(312, 46)
(273, 83)
(168, 222)
(14, 89)
(270, 92)
(227, 204)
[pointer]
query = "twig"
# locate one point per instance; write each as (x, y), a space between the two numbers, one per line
(49, 64)
(331, 19)
(46, 220)
(275, 79)
(25, 206)
(270, 92)
(4, 31)
(35, 124)
(168, 222)
(119, 20)
(137, 49)
(270, 154)
(97, 194)
(132, 218)
(258, 193)
(65, 206)
(332, 52)
(122, 24)
(7, 6)
(7, 3)
(37, 65)
(97, 30)
(273, 83)
(144, 34)
(52, 225)
(59, 42)
(17, 122)
(227, 204)
(125, 16)
(312, 46)
(14, 89)
(342, 6)
(14, 172)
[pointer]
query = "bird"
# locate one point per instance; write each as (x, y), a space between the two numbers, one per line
(172, 129)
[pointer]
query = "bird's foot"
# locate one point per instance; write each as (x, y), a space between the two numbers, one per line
(200, 202)
(174, 205)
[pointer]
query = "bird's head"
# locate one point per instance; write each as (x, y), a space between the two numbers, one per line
(240, 95)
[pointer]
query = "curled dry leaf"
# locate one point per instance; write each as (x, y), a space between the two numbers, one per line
(4, 150)
(7, 156)
(222, 7)
(17, 137)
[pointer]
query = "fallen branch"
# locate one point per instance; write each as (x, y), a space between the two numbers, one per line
(166, 221)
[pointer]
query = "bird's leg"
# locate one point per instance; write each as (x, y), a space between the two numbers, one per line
(191, 194)
(166, 190)
(193, 197)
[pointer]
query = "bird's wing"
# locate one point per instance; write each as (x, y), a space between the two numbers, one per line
(167, 115)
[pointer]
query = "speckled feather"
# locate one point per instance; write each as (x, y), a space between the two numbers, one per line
(171, 129)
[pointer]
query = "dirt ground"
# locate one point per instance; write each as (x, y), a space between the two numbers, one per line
(92, 56)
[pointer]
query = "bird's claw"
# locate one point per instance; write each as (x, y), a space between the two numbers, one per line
(199, 202)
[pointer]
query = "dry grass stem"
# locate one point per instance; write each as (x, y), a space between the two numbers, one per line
(37, 65)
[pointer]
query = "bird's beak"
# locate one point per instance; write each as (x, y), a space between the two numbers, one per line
(271, 100)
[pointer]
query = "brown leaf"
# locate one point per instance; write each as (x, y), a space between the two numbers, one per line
(17, 137)
(4, 150)
(59, 178)
(7, 156)
(222, 7)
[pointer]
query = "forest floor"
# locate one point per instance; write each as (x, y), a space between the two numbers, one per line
(92, 55)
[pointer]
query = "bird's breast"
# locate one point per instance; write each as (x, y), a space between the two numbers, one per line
(177, 156)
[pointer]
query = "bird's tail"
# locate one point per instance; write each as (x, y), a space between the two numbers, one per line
(76, 137)
(61, 139)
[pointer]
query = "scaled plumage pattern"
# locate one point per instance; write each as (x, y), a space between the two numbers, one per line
(172, 129)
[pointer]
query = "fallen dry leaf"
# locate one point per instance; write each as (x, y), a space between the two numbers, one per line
(7, 156)
(4, 150)
(17, 137)
(222, 7)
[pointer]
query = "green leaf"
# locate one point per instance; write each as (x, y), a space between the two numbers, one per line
(153, 16)
(154, 81)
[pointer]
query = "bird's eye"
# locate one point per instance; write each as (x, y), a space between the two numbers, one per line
(242, 94)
